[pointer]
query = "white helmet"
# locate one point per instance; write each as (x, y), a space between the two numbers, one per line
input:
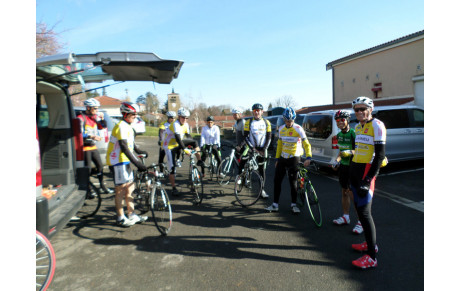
(237, 110)
(91, 102)
(363, 100)
(171, 114)
(183, 112)
(129, 107)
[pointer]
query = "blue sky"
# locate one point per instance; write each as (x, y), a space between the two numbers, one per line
(235, 52)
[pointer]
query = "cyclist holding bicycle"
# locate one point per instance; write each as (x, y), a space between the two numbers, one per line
(210, 137)
(369, 154)
(120, 154)
(257, 137)
(291, 144)
(161, 136)
(239, 124)
(175, 141)
(91, 121)
(346, 142)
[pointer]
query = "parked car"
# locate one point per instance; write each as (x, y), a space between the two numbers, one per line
(104, 133)
(405, 133)
(61, 178)
(138, 125)
(275, 121)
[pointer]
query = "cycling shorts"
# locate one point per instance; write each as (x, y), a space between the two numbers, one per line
(122, 174)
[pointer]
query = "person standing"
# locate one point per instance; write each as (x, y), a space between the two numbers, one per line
(91, 122)
(346, 142)
(239, 124)
(369, 155)
(210, 137)
(120, 155)
(161, 136)
(292, 143)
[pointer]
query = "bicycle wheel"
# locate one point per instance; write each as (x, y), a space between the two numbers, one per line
(248, 188)
(197, 188)
(312, 202)
(45, 262)
(141, 199)
(92, 202)
(212, 168)
(161, 210)
(226, 171)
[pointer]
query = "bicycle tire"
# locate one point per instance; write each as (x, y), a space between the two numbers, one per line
(92, 202)
(248, 188)
(312, 202)
(161, 210)
(213, 168)
(196, 186)
(141, 199)
(229, 169)
(45, 263)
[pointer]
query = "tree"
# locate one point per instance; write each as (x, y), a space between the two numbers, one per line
(141, 99)
(152, 103)
(285, 101)
(47, 40)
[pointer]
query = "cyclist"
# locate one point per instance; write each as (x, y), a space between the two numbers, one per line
(161, 136)
(120, 154)
(292, 142)
(91, 122)
(364, 168)
(346, 142)
(175, 141)
(239, 124)
(257, 137)
(210, 137)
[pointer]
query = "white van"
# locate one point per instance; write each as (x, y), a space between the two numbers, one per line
(405, 133)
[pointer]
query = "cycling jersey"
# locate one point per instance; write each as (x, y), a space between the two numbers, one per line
(121, 131)
(367, 136)
(162, 130)
(170, 141)
(346, 141)
(290, 142)
(210, 136)
(90, 127)
(256, 131)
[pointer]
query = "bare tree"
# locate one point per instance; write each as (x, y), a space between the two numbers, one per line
(47, 40)
(285, 101)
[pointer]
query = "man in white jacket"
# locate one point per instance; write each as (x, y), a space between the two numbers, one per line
(210, 137)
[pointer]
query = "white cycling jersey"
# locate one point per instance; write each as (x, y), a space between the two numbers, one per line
(210, 135)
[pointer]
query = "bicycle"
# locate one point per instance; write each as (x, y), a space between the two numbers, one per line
(228, 168)
(92, 202)
(45, 263)
(149, 194)
(249, 183)
(307, 195)
(212, 162)
(195, 179)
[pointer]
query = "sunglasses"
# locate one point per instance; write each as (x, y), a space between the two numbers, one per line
(362, 109)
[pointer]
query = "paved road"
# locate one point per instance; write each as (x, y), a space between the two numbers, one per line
(222, 246)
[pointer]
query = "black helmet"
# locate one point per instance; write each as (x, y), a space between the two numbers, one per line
(342, 114)
(257, 106)
(210, 118)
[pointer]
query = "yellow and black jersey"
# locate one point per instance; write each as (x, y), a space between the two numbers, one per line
(367, 136)
(292, 142)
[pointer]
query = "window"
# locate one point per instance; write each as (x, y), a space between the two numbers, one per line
(395, 118)
(417, 115)
(318, 126)
(43, 116)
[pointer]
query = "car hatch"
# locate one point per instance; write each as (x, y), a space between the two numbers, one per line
(102, 66)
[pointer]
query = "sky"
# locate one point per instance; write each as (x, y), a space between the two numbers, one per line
(235, 52)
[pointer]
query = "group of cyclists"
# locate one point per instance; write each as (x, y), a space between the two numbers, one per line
(362, 151)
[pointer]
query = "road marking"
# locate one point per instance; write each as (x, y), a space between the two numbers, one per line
(395, 198)
(401, 172)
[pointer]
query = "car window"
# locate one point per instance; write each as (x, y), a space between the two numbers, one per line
(394, 118)
(299, 119)
(318, 126)
(43, 116)
(417, 115)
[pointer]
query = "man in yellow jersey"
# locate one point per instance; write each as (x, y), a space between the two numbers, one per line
(161, 136)
(292, 143)
(175, 140)
(364, 168)
(120, 154)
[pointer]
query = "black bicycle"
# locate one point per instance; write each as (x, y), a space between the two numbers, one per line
(249, 184)
(228, 169)
(92, 202)
(212, 164)
(149, 194)
(306, 194)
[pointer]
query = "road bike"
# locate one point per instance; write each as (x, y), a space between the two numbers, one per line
(249, 183)
(212, 165)
(45, 262)
(195, 180)
(149, 194)
(228, 169)
(92, 202)
(306, 194)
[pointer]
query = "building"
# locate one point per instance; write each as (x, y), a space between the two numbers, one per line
(173, 101)
(393, 71)
(112, 105)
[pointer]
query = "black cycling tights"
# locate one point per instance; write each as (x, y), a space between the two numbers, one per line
(95, 157)
(280, 171)
(365, 217)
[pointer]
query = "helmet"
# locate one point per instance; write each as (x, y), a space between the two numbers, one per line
(210, 118)
(183, 112)
(171, 114)
(237, 111)
(91, 102)
(342, 114)
(257, 106)
(289, 114)
(363, 100)
(129, 107)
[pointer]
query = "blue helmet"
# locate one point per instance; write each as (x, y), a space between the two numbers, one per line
(289, 114)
